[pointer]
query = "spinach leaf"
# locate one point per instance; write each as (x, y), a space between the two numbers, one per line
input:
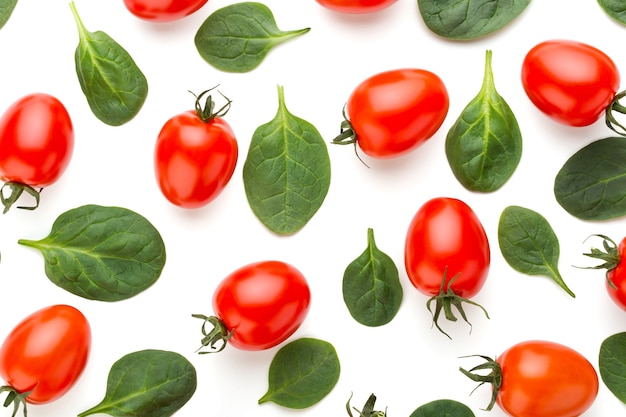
(484, 146)
(612, 364)
(6, 9)
(469, 19)
(147, 383)
(102, 253)
(237, 38)
(111, 81)
(529, 244)
(287, 171)
(371, 286)
(615, 9)
(443, 408)
(302, 373)
(591, 184)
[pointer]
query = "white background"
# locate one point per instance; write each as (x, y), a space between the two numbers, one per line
(405, 363)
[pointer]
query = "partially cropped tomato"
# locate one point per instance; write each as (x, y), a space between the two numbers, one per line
(356, 6)
(446, 253)
(539, 378)
(36, 144)
(195, 156)
(613, 255)
(258, 306)
(393, 112)
(163, 10)
(571, 82)
(46, 353)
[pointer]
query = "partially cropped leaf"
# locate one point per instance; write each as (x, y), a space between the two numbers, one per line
(469, 19)
(302, 373)
(287, 171)
(110, 79)
(484, 146)
(102, 253)
(443, 408)
(237, 38)
(529, 244)
(147, 383)
(615, 9)
(612, 364)
(6, 9)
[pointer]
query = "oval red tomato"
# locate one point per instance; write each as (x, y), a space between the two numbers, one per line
(356, 6)
(195, 157)
(260, 305)
(163, 10)
(393, 112)
(571, 82)
(46, 353)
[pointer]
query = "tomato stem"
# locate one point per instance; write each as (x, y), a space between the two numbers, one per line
(494, 377)
(347, 135)
(610, 119)
(208, 113)
(16, 189)
(610, 256)
(218, 333)
(367, 410)
(15, 398)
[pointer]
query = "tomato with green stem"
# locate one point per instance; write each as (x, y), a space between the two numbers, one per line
(163, 10)
(356, 6)
(44, 355)
(538, 378)
(447, 256)
(612, 254)
(257, 306)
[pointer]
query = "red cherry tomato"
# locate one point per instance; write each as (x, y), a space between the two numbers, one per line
(36, 144)
(258, 306)
(195, 156)
(571, 82)
(393, 112)
(612, 255)
(46, 353)
(163, 10)
(446, 253)
(541, 379)
(356, 6)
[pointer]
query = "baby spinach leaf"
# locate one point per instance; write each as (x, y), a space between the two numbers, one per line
(6, 9)
(484, 146)
(591, 184)
(302, 373)
(102, 253)
(237, 38)
(147, 383)
(111, 81)
(529, 244)
(612, 364)
(371, 286)
(287, 171)
(443, 408)
(615, 9)
(469, 19)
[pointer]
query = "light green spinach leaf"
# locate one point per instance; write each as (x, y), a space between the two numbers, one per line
(443, 408)
(113, 84)
(612, 364)
(6, 9)
(469, 19)
(484, 146)
(147, 383)
(237, 38)
(529, 244)
(615, 9)
(287, 171)
(102, 253)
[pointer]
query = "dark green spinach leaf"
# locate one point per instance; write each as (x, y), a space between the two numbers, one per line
(6, 9)
(302, 373)
(612, 364)
(237, 38)
(469, 19)
(147, 383)
(287, 171)
(371, 286)
(529, 244)
(443, 408)
(111, 81)
(102, 253)
(591, 185)
(484, 146)
(615, 9)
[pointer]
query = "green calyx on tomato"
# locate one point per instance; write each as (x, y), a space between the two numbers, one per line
(609, 117)
(610, 256)
(16, 398)
(218, 333)
(16, 189)
(208, 113)
(367, 410)
(494, 377)
(347, 135)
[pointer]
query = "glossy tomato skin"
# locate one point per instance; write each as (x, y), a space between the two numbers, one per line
(395, 111)
(36, 140)
(571, 82)
(263, 303)
(194, 160)
(545, 379)
(356, 6)
(46, 353)
(163, 10)
(445, 235)
(616, 278)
